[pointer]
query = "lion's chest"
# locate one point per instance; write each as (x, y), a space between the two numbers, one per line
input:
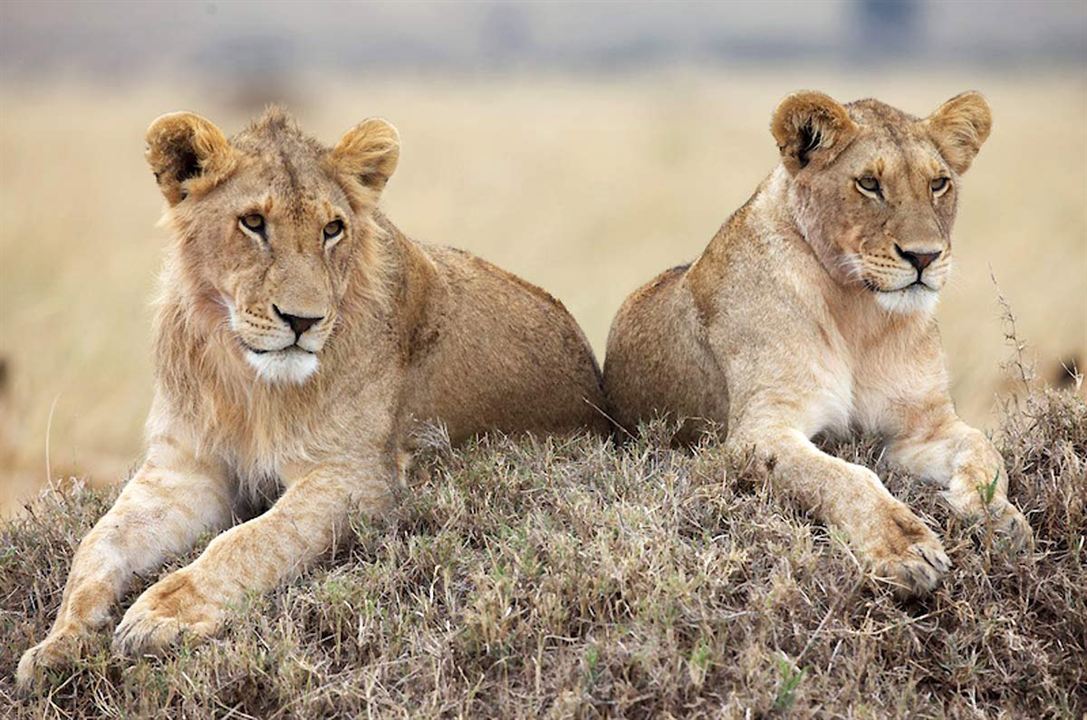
(829, 404)
(854, 392)
(849, 388)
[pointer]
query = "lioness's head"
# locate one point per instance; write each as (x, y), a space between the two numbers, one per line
(272, 227)
(874, 189)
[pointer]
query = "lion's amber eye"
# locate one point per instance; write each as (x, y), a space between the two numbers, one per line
(254, 222)
(939, 185)
(333, 229)
(869, 184)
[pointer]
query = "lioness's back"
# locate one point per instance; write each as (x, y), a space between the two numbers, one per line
(672, 378)
(516, 361)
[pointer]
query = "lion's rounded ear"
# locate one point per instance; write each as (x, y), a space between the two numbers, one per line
(185, 150)
(810, 127)
(959, 127)
(368, 153)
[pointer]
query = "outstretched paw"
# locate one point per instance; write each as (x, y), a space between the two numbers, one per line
(167, 610)
(916, 571)
(1006, 521)
(1011, 525)
(908, 555)
(56, 651)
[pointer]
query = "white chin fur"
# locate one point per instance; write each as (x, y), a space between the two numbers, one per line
(285, 366)
(913, 299)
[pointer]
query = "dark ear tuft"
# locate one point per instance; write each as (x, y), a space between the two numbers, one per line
(188, 166)
(810, 127)
(187, 152)
(808, 143)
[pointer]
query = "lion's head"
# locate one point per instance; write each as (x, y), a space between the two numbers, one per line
(875, 190)
(273, 228)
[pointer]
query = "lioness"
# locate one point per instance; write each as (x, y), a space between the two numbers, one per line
(811, 311)
(299, 339)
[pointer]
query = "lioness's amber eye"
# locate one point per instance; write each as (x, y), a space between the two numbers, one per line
(254, 222)
(868, 184)
(939, 185)
(333, 229)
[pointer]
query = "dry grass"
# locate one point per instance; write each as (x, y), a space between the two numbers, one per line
(534, 579)
(588, 187)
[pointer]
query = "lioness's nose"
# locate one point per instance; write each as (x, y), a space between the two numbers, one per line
(920, 261)
(298, 323)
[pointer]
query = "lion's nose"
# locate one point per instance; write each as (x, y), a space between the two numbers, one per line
(920, 261)
(298, 323)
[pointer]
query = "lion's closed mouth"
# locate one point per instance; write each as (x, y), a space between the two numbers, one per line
(920, 284)
(257, 351)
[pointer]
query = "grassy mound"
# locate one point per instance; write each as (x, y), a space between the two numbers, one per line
(531, 579)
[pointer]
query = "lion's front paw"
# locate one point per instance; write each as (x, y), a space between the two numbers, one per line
(916, 571)
(1006, 521)
(167, 610)
(56, 651)
(908, 555)
(1010, 524)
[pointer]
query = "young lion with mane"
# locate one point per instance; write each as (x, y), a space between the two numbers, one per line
(299, 339)
(811, 312)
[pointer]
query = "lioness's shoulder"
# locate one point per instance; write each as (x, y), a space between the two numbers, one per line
(667, 279)
(460, 267)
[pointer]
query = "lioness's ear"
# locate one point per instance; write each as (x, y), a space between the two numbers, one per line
(959, 127)
(182, 146)
(810, 127)
(368, 153)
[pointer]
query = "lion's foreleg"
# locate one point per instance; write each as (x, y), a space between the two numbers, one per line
(886, 534)
(252, 557)
(938, 446)
(160, 513)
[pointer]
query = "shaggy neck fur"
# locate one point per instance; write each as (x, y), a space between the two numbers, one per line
(204, 381)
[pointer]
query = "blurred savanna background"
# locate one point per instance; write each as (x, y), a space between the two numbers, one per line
(583, 147)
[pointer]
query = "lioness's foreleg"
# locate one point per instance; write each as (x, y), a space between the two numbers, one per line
(254, 556)
(887, 535)
(935, 444)
(163, 509)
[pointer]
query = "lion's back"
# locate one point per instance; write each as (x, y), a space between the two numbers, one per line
(657, 364)
(499, 353)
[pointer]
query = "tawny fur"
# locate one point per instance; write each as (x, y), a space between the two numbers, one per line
(407, 333)
(800, 318)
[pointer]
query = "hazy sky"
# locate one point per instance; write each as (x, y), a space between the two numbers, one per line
(243, 36)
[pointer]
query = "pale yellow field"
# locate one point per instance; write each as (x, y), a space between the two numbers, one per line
(587, 187)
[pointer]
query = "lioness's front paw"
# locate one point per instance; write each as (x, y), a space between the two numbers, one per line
(57, 650)
(1004, 518)
(908, 555)
(916, 571)
(166, 610)
(1010, 523)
